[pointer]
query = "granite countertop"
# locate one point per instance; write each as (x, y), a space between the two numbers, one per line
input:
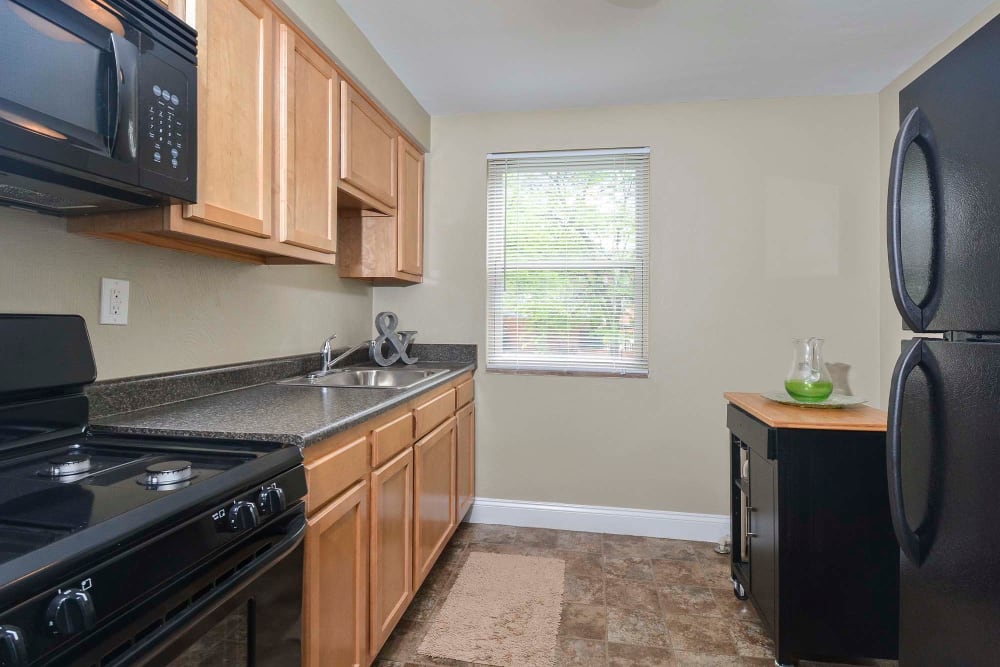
(290, 414)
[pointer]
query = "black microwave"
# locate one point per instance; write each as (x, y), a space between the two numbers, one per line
(98, 106)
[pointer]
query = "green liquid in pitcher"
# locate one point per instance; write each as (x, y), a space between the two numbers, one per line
(809, 392)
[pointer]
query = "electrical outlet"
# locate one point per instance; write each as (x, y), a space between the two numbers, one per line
(114, 301)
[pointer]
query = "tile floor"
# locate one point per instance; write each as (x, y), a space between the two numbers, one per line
(628, 601)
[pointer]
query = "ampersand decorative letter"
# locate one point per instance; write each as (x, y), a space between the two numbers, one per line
(386, 323)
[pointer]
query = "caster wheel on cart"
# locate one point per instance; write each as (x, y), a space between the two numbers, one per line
(738, 591)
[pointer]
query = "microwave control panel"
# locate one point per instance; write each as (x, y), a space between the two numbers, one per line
(164, 121)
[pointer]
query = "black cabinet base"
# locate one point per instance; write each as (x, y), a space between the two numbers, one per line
(821, 565)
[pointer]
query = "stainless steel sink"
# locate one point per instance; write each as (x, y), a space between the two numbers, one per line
(369, 378)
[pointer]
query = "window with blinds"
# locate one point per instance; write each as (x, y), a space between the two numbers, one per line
(568, 262)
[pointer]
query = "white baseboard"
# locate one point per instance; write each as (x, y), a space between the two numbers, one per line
(596, 519)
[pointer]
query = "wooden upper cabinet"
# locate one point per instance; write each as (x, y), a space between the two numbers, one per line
(291, 156)
(368, 147)
(235, 108)
(308, 114)
(410, 210)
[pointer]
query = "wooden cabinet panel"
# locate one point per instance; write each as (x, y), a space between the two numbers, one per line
(392, 438)
(235, 110)
(465, 459)
(331, 473)
(410, 210)
(368, 145)
(307, 146)
(434, 497)
(391, 578)
(335, 594)
(387, 248)
(464, 393)
(428, 415)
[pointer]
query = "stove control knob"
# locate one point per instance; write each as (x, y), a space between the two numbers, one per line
(242, 516)
(13, 648)
(70, 612)
(272, 500)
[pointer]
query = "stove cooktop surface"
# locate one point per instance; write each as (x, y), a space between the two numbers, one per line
(51, 490)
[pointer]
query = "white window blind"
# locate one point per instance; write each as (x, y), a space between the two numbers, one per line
(568, 262)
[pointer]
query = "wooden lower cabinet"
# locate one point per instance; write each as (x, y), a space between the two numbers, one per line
(381, 509)
(434, 496)
(391, 576)
(465, 459)
(335, 619)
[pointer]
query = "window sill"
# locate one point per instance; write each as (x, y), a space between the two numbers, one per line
(641, 375)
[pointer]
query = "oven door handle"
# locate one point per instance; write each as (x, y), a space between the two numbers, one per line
(144, 650)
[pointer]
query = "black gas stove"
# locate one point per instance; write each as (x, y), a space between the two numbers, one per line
(118, 550)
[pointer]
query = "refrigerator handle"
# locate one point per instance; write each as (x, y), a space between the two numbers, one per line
(909, 541)
(915, 129)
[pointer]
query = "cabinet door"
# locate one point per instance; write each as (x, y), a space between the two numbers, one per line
(235, 109)
(368, 145)
(465, 474)
(335, 597)
(410, 211)
(308, 156)
(391, 546)
(764, 538)
(434, 496)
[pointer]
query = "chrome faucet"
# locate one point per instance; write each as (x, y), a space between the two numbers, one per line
(327, 351)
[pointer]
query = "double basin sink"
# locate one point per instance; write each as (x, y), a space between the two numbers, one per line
(368, 378)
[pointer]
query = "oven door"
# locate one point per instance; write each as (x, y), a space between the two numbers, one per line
(243, 610)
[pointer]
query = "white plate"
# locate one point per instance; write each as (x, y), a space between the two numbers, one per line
(831, 402)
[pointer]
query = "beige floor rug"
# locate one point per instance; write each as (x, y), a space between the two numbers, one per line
(502, 610)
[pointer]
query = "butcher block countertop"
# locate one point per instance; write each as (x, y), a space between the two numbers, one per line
(777, 415)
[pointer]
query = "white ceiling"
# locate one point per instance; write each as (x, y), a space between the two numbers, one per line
(460, 56)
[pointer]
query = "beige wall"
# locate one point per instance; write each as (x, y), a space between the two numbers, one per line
(330, 25)
(185, 311)
(890, 325)
(730, 181)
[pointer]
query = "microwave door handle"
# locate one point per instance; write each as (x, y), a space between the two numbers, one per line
(122, 135)
(915, 129)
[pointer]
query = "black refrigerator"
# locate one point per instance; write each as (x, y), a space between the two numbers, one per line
(943, 439)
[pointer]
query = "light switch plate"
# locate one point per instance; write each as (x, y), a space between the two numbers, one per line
(114, 301)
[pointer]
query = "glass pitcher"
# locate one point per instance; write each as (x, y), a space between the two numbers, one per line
(808, 380)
